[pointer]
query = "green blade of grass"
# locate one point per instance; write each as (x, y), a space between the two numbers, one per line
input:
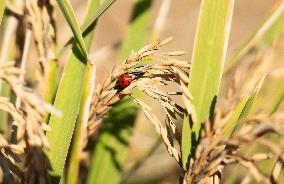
(2, 8)
(186, 142)
(208, 55)
(90, 20)
(207, 62)
(70, 17)
(269, 100)
(278, 100)
(266, 33)
(67, 100)
(52, 79)
(111, 150)
(241, 111)
(137, 31)
(80, 128)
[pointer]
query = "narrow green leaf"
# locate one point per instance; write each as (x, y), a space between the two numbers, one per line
(137, 31)
(185, 142)
(207, 66)
(90, 20)
(52, 80)
(278, 100)
(208, 56)
(70, 17)
(2, 8)
(67, 100)
(111, 149)
(4, 92)
(79, 135)
(263, 37)
(269, 100)
(241, 111)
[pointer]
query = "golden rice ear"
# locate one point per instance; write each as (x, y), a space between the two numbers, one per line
(148, 77)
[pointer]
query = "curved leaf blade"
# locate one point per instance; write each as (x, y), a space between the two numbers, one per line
(242, 111)
(70, 17)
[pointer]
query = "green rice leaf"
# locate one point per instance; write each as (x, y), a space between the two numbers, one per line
(209, 55)
(137, 31)
(269, 100)
(90, 20)
(263, 37)
(207, 66)
(278, 100)
(2, 8)
(241, 111)
(70, 17)
(52, 80)
(67, 100)
(186, 141)
(82, 120)
(80, 134)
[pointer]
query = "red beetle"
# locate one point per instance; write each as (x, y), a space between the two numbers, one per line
(125, 80)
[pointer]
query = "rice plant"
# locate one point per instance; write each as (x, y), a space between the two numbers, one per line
(71, 113)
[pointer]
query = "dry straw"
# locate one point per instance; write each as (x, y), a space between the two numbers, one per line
(28, 135)
(28, 127)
